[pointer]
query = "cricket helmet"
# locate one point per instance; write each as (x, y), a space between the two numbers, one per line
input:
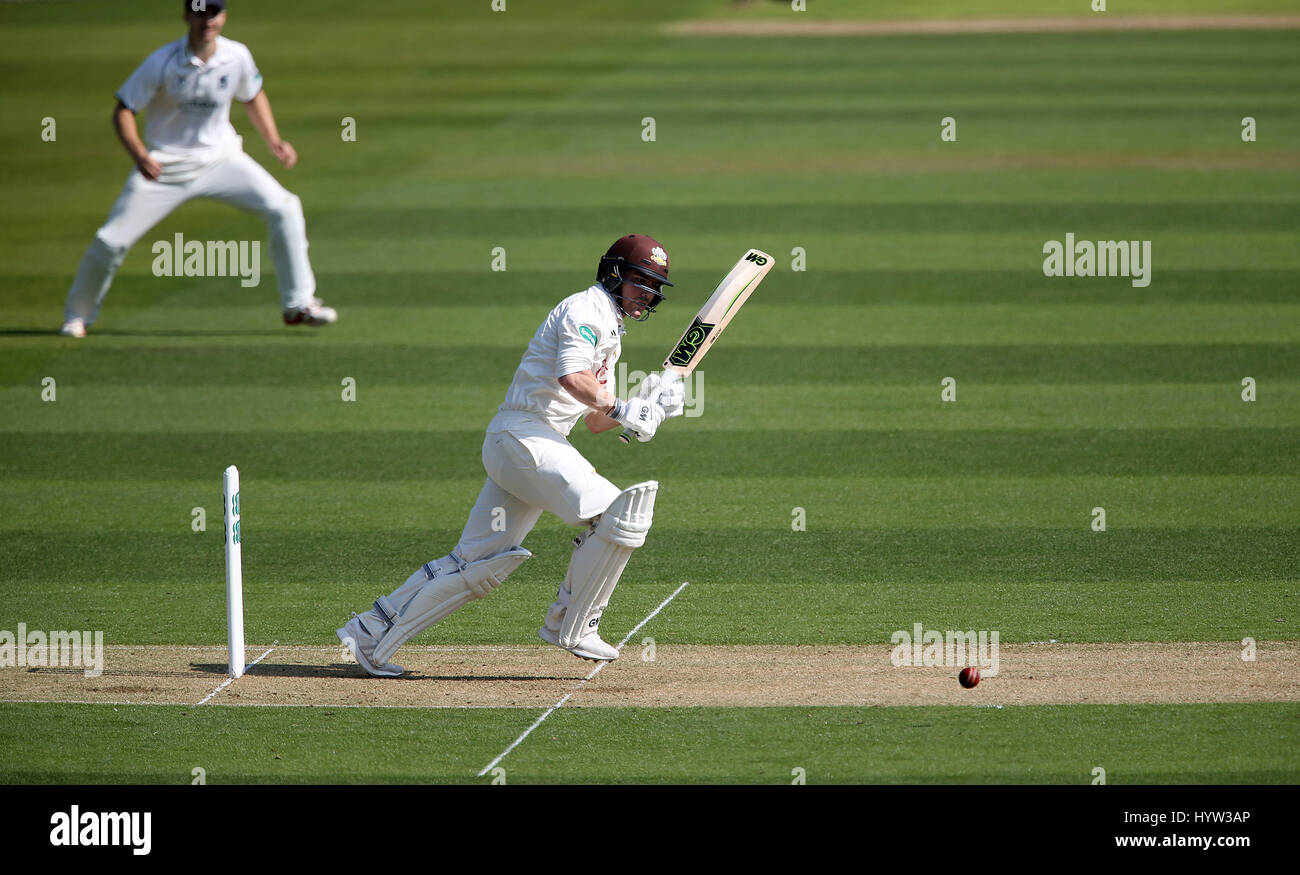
(632, 257)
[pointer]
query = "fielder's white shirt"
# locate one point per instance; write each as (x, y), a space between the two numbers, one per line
(584, 332)
(186, 103)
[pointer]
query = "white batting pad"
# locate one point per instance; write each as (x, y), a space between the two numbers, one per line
(599, 560)
(445, 592)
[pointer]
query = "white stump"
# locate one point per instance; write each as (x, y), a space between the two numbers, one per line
(234, 575)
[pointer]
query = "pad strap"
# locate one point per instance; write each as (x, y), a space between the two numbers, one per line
(444, 593)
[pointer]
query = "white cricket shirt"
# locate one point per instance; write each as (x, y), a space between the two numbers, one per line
(186, 103)
(584, 332)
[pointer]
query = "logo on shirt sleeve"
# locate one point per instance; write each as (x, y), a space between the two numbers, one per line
(588, 333)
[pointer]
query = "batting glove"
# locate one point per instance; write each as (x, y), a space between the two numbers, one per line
(639, 416)
(671, 394)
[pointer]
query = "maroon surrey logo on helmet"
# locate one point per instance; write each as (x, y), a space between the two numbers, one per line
(630, 255)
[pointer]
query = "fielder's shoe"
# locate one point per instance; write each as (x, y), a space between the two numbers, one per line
(362, 644)
(590, 647)
(73, 328)
(315, 313)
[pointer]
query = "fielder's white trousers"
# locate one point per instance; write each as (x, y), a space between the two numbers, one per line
(143, 203)
(531, 468)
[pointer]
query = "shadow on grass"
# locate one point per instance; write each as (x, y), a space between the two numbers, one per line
(170, 332)
(348, 670)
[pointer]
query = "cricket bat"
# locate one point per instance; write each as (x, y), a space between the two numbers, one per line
(716, 314)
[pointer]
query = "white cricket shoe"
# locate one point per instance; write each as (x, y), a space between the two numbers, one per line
(314, 313)
(590, 647)
(362, 644)
(74, 327)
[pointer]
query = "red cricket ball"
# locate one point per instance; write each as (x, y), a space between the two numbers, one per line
(969, 677)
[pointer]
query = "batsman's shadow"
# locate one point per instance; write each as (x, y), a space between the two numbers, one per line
(352, 670)
(148, 332)
(190, 332)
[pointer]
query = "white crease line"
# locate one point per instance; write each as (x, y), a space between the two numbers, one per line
(595, 671)
(224, 684)
(229, 680)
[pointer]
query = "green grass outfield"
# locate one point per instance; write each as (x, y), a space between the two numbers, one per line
(523, 130)
(932, 9)
(1135, 744)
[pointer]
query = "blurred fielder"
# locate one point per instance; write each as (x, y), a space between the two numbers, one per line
(565, 375)
(185, 89)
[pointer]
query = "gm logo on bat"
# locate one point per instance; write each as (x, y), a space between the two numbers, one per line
(690, 343)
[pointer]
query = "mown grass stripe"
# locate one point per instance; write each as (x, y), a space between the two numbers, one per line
(302, 365)
(417, 289)
(263, 411)
(399, 455)
(398, 507)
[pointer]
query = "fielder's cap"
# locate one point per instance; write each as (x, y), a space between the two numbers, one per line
(205, 5)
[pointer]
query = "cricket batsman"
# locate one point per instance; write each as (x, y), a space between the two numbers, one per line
(566, 374)
(185, 89)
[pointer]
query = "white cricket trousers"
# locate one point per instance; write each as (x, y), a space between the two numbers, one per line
(143, 203)
(531, 468)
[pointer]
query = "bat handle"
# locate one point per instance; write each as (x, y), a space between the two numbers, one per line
(624, 438)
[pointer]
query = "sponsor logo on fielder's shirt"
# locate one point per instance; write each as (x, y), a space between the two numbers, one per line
(588, 333)
(199, 106)
(103, 828)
